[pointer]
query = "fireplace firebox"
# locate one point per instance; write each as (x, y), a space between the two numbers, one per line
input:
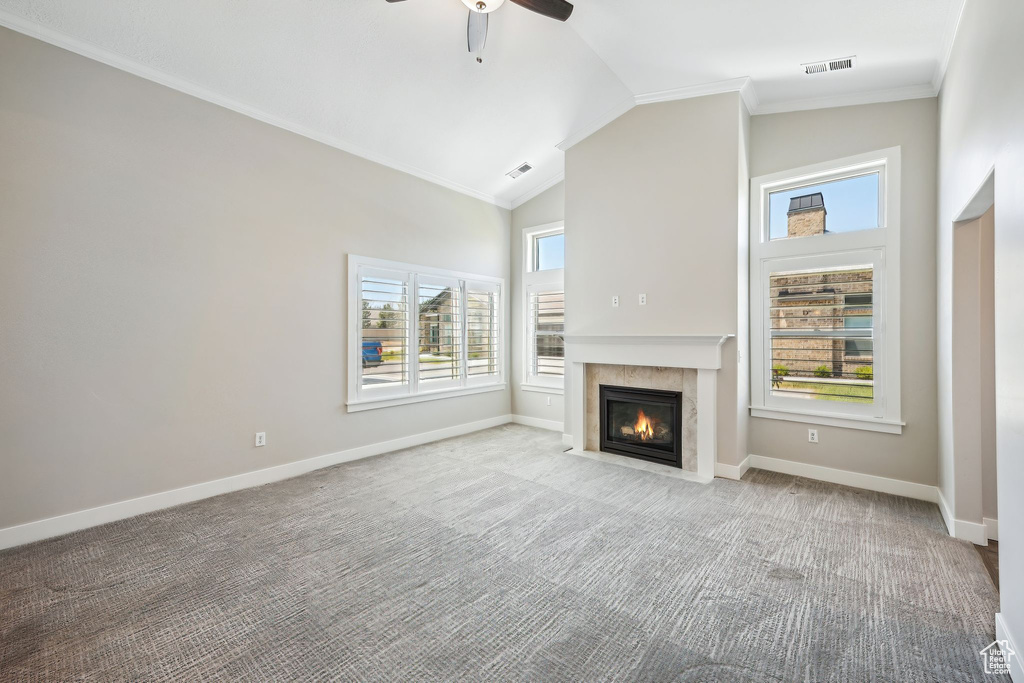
(642, 423)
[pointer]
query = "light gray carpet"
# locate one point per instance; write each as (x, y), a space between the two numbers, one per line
(494, 556)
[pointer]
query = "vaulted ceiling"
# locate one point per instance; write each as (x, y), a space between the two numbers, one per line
(394, 82)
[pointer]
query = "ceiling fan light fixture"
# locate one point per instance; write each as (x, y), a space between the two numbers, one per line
(483, 6)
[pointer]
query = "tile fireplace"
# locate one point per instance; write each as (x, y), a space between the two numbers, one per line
(642, 423)
(660, 365)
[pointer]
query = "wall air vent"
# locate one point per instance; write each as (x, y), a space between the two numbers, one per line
(840, 64)
(519, 170)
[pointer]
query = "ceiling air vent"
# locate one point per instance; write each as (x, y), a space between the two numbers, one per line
(519, 170)
(830, 65)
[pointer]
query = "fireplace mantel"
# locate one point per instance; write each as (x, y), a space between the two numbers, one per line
(700, 352)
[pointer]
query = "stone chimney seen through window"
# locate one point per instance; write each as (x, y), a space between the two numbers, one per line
(806, 216)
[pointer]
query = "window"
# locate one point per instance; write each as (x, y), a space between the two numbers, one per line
(549, 252)
(824, 278)
(483, 343)
(843, 205)
(439, 316)
(421, 333)
(544, 296)
(385, 338)
(547, 334)
(813, 326)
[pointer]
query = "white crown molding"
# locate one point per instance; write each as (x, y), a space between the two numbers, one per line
(699, 90)
(597, 124)
(744, 86)
(947, 48)
(910, 92)
(113, 59)
(749, 95)
(543, 187)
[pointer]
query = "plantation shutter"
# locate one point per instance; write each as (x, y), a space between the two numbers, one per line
(439, 311)
(822, 334)
(482, 330)
(547, 333)
(384, 331)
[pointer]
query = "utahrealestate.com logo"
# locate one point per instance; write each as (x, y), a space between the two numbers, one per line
(996, 657)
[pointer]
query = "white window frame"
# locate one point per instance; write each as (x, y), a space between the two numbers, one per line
(415, 391)
(876, 247)
(538, 282)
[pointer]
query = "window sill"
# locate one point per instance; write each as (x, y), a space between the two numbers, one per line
(374, 403)
(870, 424)
(542, 389)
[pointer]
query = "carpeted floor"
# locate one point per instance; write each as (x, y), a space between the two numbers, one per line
(494, 556)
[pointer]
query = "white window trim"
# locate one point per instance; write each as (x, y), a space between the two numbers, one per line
(534, 282)
(364, 398)
(839, 248)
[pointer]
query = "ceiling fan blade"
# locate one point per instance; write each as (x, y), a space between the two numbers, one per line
(556, 9)
(476, 33)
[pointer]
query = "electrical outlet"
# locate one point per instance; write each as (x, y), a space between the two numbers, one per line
(812, 435)
(549, 400)
(261, 439)
(643, 299)
(615, 302)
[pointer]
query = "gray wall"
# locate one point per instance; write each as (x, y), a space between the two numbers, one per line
(172, 280)
(652, 205)
(785, 141)
(987, 363)
(547, 207)
(980, 107)
(974, 394)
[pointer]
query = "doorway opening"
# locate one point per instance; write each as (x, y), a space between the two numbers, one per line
(974, 373)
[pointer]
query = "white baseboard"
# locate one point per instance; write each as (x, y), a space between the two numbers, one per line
(974, 532)
(970, 531)
(947, 512)
(552, 425)
(991, 528)
(83, 519)
(1017, 661)
(958, 528)
(732, 471)
(897, 487)
(567, 440)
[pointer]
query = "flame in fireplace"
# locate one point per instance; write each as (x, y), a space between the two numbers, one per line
(644, 427)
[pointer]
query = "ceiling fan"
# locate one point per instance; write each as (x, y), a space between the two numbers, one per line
(476, 32)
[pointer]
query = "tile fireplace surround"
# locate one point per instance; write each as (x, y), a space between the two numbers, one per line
(643, 377)
(682, 363)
